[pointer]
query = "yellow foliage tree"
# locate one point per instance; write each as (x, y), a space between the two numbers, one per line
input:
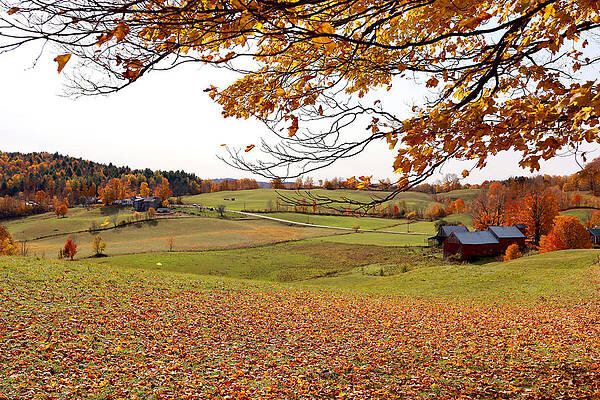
(501, 75)
(144, 189)
(8, 247)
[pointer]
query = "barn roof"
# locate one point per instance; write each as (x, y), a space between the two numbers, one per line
(506, 232)
(476, 237)
(447, 230)
(595, 231)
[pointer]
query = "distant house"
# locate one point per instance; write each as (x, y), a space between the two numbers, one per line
(595, 235)
(445, 231)
(145, 203)
(508, 235)
(471, 244)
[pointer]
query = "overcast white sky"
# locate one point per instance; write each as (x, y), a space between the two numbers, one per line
(164, 121)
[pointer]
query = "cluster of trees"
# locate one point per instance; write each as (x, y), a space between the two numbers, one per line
(38, 182)
(532, 204)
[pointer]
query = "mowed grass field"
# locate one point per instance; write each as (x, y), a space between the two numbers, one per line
(338, 221)
(84, 330)
(260, 199)
(284, 262)
(190, 233)
(582, 213)
(77, 219)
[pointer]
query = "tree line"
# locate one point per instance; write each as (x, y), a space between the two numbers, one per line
(38, 182)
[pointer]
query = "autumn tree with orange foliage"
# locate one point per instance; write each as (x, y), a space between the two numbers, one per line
(61, 210)
(489, 68)
(593, 219)
(456, 207)
(70, 249)
(489, 207)
(114, 190)
(8, 247)
(277, 183)
(163, 190)
(434, 211)
(512, 252)
(568, 233)
(536, 208)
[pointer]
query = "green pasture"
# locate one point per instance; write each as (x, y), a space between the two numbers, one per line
(466, 194)
(281, 262)
(337, 220)
(190, 233)
(582, 213)
(263, 199)
(404, 271)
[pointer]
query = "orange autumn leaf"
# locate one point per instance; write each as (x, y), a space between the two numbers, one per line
(62, 60)
(13, 10)
(250, 147)
(121, 31)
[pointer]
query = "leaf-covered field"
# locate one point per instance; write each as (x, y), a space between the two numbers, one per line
(72, 330)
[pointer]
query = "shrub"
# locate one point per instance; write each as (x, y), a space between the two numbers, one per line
(98, 245)
(512, 252)
(151, 213)
(567, 233)
(70, 249)
(434, 211)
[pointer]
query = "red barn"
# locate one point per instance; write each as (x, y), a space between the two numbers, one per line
(472, 244)
(508, 235)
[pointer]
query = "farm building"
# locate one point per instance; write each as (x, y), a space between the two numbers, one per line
(595, 235)
(508, 235)
(471, 244)
(445, 231)
(490, 242)
(144, 204)
(522, 228)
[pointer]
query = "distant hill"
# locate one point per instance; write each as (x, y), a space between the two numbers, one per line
(57, 174)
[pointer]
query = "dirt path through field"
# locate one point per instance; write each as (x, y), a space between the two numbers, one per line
(322, 226)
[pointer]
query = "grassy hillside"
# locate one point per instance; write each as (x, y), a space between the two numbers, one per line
(77, 219)
(466, 194)
(80, 330)
(193, 233)
(582, 213)
(282, 262)
(259, 199)
(564, 274)
(339, 263)
(339, 221)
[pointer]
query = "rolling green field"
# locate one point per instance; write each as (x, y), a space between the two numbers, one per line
(261, 199)
(466, 194)
(582, 213)
(192, 233)
(564, 274)
(421, 272)
(77, 219)
(282, 262)
(376, 239)
(338, 221)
